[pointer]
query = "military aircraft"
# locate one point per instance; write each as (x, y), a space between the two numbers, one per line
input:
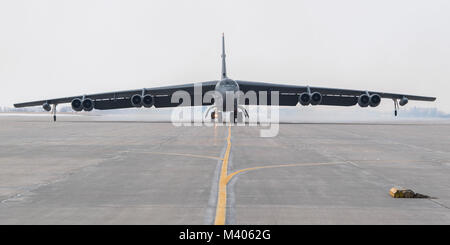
(288, 95)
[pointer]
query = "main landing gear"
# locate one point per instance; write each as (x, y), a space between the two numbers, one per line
(236, 116)
(216, 115)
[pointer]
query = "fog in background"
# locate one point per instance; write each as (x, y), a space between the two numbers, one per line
(62, 48)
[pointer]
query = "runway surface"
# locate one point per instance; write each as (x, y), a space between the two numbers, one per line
(80, 171)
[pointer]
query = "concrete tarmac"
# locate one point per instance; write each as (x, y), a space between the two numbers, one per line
(84, 171)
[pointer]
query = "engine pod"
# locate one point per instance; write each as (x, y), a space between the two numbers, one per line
(46, 107)
(364, 100)
(316, 98)
(136, 100)
(403, 101)
(148, 100)
(77, 105)
(375, 100)
(304, 98)
(88, 104)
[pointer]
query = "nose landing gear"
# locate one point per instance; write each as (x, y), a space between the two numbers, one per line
(216, 115)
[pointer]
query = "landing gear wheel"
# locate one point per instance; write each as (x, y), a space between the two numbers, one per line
(219, 117)
(235, 115)
(232, 117)
(240, 117)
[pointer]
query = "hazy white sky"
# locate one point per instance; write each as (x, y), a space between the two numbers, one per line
(58, 48)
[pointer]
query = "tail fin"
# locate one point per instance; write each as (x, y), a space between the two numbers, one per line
(224, 67)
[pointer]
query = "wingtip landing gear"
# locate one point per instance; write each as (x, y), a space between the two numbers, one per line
(54, 112)
(396, 107)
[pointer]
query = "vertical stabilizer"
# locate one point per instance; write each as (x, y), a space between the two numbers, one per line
(224, 67)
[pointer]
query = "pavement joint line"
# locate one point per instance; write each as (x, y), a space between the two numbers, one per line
(184, 155)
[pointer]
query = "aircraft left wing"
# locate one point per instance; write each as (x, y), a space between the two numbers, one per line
(122, 99)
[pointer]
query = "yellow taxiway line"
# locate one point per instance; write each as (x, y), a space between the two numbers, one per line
(184, 155)
(282, 166)
(221, 209)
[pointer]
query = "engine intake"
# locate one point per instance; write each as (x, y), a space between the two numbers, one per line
(304, 98)
(77, 105)
(88, 104)
(46, 107)
(364, 100)
(403, 101)
(136, 100)
(375, 100)
(148, 100)
(316, 98)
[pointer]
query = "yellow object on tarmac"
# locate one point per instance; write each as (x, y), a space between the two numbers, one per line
(405, 193)
(401, 193)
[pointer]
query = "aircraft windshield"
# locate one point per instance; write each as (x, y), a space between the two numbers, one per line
(228, 82)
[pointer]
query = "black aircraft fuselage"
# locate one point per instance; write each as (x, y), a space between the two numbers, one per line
(226, 88)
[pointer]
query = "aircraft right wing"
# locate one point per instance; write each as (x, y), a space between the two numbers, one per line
(330, 96)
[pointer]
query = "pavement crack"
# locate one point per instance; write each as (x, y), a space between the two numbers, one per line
(26, 190)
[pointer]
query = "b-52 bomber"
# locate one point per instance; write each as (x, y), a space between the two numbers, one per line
(225, 97)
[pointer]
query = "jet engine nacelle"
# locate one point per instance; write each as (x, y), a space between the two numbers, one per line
(148, 100)
(88, 104)
(403, 101)
(316, 98)
(46, 107)
(375, 100)
(310, 98)
(304, 98)
(364, 100)
(138, 100)
(77, 105)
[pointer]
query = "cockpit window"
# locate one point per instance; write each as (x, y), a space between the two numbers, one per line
(228, 82)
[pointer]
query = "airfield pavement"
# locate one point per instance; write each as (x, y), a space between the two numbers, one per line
(84, 171)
